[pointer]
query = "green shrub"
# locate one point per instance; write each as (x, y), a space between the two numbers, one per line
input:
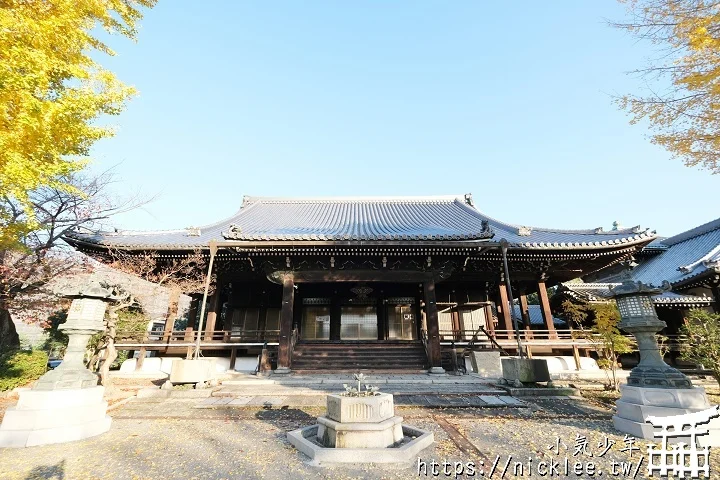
(21, 367)
(703, 345)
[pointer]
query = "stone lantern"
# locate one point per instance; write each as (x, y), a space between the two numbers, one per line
(638, 317)
(653, 388)
(66, 403)
(84, 319)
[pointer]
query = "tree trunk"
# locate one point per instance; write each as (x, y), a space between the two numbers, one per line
(173, 303)
(110, 353)
(9, 338)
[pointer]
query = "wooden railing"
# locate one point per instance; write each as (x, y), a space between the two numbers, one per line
(505, 339)
(182, 338)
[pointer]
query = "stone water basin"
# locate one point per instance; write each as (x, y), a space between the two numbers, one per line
(360, 429)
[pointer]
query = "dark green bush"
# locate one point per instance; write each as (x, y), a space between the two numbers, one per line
(21, 367)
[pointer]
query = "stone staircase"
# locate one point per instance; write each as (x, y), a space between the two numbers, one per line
(401, 356)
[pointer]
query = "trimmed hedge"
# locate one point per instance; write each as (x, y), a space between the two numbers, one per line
(21, 367)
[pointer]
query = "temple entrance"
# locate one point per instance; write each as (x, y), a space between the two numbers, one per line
(402, 323)
(358, 323)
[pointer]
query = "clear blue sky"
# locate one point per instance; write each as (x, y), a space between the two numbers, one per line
(509, 101)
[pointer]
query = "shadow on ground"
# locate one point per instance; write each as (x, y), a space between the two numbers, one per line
(52, 472)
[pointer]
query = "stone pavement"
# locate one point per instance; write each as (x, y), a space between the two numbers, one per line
(310, 390)
(170, 439)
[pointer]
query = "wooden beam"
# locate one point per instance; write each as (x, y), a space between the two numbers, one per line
(286, 322)
(545, 307)
(330, 276)
(433, 325)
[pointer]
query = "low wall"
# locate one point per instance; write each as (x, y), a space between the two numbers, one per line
(163, 365)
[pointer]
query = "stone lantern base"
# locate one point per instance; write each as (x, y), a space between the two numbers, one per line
(55, 416)
(638, 403)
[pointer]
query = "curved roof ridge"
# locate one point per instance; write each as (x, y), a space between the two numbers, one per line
(693, 232)
(587, 231)
(354, 198)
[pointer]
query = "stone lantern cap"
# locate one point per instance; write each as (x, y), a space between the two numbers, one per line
(92, 289)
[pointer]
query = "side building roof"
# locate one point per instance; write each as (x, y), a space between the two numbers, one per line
(681, 257)
(366, 219)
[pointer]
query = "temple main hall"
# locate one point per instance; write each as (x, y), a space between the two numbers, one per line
(378, 283)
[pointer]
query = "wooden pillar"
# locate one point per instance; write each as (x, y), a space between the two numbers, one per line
(545, 307)
(262, 322)
(525, 315)
(433, 326)
(233, 358)
(141, 359)
(286, 323)
(335, 318)
(504, 309)
(489, 320)
(193, 311)
(381, 314)
(212, 314)
(576, 356)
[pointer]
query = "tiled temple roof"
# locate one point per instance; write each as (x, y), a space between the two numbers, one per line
(366, 219)
(536, 317)
(685, 256)
(600, 292)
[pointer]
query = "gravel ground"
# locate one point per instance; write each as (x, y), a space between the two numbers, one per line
(171, 439)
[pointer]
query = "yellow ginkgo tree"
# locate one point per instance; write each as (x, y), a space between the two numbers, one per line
(682, 99)
(52, 91)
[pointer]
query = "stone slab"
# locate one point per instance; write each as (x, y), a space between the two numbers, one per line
(62, 434)
(492, 400)
(638, 413)
(541, 392)
(19, 419)
(403, 455)
(58, 399)
(267, 401)
(665, 397)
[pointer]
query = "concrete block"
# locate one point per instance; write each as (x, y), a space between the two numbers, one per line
(192, 371)
(487, 363)
(526, 370)
(346, 409)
